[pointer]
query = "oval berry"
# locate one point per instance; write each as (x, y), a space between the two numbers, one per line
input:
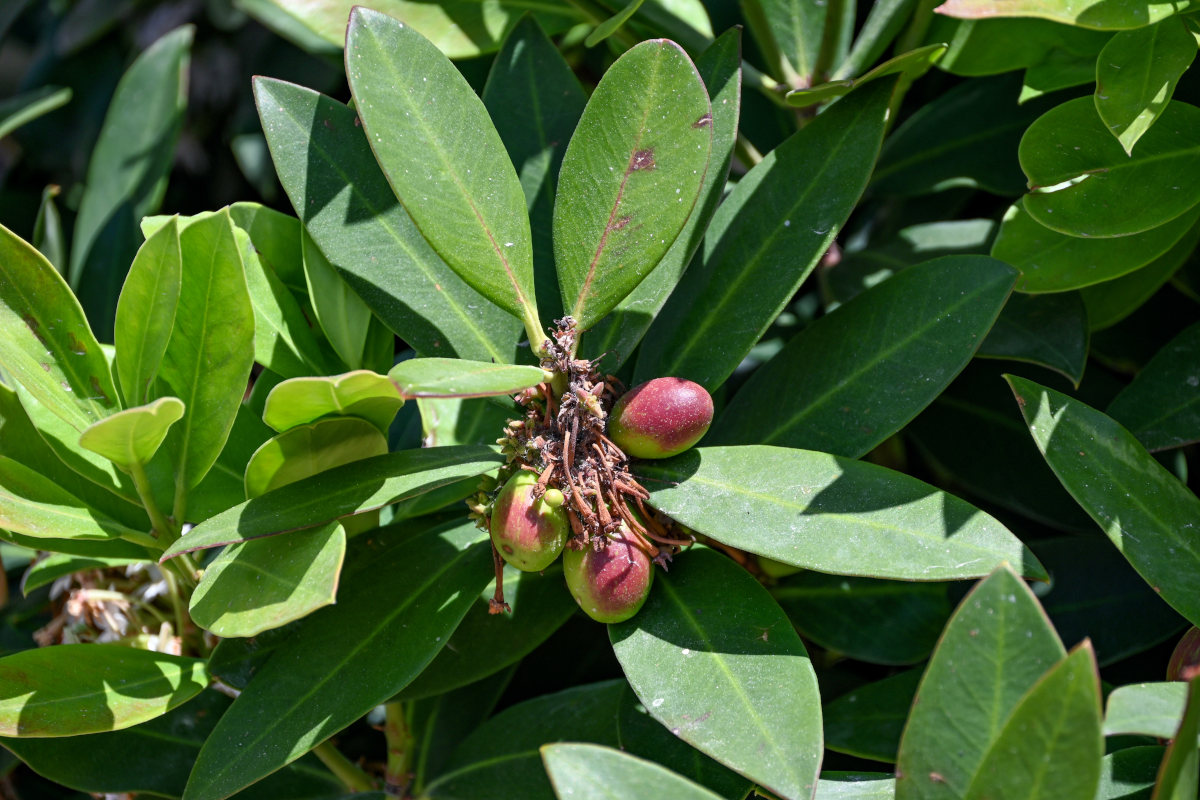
(1185, 657)
(529, 533)
(610, 585)
(660, 418)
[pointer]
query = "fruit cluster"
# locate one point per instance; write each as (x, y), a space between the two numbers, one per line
(568, 488)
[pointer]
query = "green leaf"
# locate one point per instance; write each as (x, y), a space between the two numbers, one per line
(1050, 330)
(343, 316)
(883, 23)
(867, 722)
(1098, 14)
(452, 420)
(156, 756)
(45, 341)
(966, 137)
(305, 450)
(1146, 709)
(994, 649)
(329, 173)
(613, 24)
(224, 485)
(404, 595)
(715, 660)
(37, 506)
(880, 622)
(71, 689)
(925, 325)
(910, 65)
(432, 136)
(146, 312)
(592, 772)
(84, 548)
(19, 109)
(1136, 74)
(630, 177)
(535, 102)
(1112, 301)
(1095, 594)
(789, 34)
(1147, 513)
(48, 235)
(130, 438)
(1050, 261)
(1129, 774)
(1179, 775)
(56, 565)
(485, 643)
(1050, 746)
(444, 720)
(361, 393)
(619, 332)
(127, 172)
(764, 240)
(341, 492)
(1161, 406)
(993, 46)
(855, 786)
(276, 238)
(1086, 185)
(208, 358)
(452, 377)
(831, 514)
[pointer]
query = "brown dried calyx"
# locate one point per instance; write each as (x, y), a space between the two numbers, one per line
(561, 437)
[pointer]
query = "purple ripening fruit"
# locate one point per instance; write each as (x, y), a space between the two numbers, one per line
(1186, 656)
(660, 418)
(528, 533)
(610, 585)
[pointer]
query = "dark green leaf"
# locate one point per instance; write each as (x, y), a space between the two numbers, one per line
(994, 649)
(48, 235)
(1161, 407)
(913, 334)
(630, 177)
(1112, 301)
(451, 377)
(1149, 515)
(19, 109)
(341, 492)
(1050, 746)
(881, 622)
(910, 65)
(882, 25)
(333, 181)
(432, 136)
(715, 660)
(765, 239)
(45, 341)
(992, 46)
(831, 514)
(789, 34)
(69, 689)
(146, 312)
(867, 721)
(618, 333)
(130, 438)
(404, 596)
(361, 393)
(1136, 74)
(1129, 774)
(127, 173)
(1098, 14)
(613, 24)
(1050, 330)
(591, 772)
(1086, 185)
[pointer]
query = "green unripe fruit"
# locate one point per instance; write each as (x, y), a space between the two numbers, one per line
(776, 569)
(660, 418)
(528, 533)
(610, 585)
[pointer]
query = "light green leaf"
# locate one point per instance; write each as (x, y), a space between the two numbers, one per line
(130, 438)
(45, 342)
(714, 660)
(1086, 185)
(72, 689)
(1161, 407)
(208, 358)
(618, 333)
(334, 183)
(831, 514)
(867, 722)
(56, 565)
(1146, 709)
(1147, 513)
(361, 393)
(440, 152)
(994, 649)
(613, 24)
(925, 325)
(452, 420)
(1050, 746)
(1179, 775)
(305, 450)
(343, 316)
(48, 235)
(25, 107)
(127, 173)
(993, 46)
(764, 240)
(883, 23)
(789, 34)
(452, 377)
(592, 772)
(855, 786)
(1098, 14)
(1136, 74)
(910, 65)
(146, 312)
(404, 595)
(341, 492)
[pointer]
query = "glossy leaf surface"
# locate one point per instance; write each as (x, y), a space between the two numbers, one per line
(592, 772)
(146, 312)
(912, 334)
(449, 377)
(361, 393)
(821, 512)
(1161, 407)
(132, 437)
(1146, 512)
(630, 176)
(709, 656)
